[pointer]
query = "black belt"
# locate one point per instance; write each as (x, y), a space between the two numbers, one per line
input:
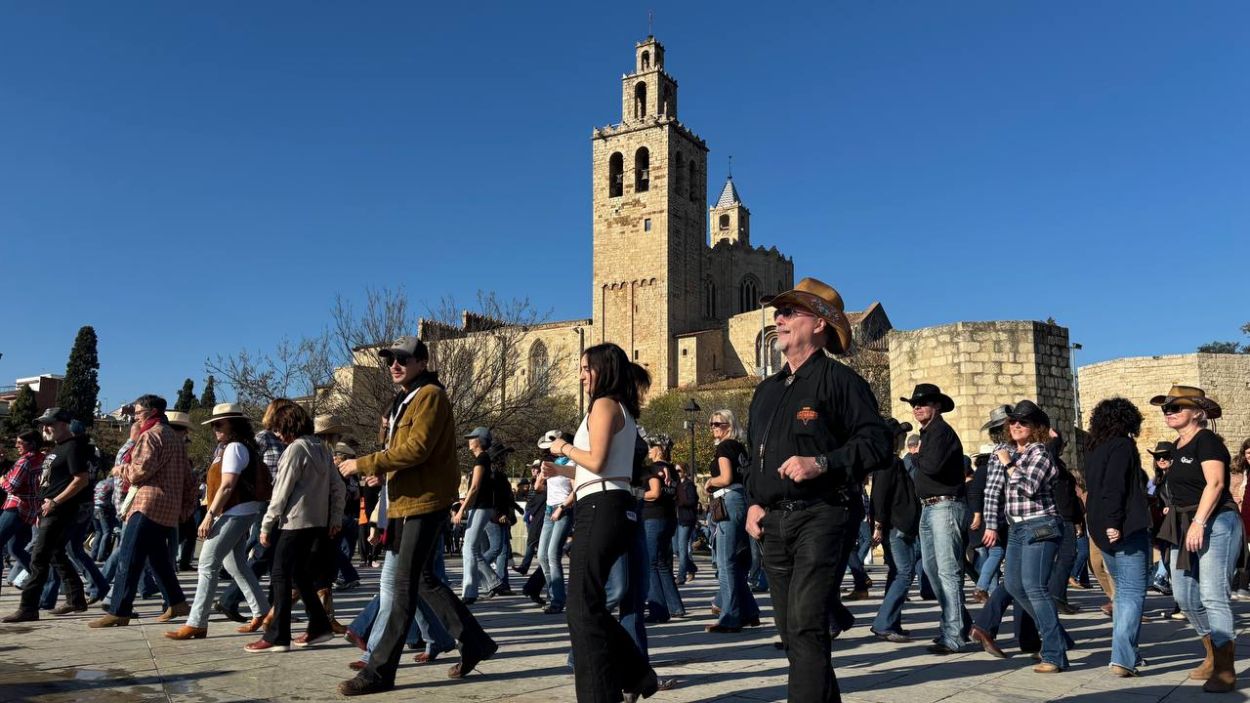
(937, 499)
(792, 506)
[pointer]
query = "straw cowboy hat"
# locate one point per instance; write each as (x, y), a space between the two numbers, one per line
(225, 411)
(927, 393)
(998, 417)
(1189, 397)
(330, 424)
(823, 301)
(179, 419)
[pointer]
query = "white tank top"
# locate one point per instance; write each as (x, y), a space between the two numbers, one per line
(620, 463)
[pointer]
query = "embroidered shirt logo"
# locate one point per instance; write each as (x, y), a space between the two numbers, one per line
(1187, 460)
(806, 415)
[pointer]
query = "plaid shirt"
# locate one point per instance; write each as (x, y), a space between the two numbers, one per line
(103, 492)
(1029, 491)
(160, 468)
(22, 484)
(271, 449)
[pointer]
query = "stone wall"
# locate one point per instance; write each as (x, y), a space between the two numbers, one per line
(984, 364)
(700, 357)
(1225, 377)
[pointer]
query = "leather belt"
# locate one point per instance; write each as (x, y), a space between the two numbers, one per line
(792, 506)
(937, 499)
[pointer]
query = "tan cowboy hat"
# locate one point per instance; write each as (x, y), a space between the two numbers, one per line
(179, 419)
(822, 300)
(344, 449)
(1189, 397)
(330, 424)
(225, 411)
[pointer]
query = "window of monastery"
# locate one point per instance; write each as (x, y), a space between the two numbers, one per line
(748, 294)
(724, 221)
(679, 183)
(646, 60)
(642, 170)
(640, 101)
(694, 183)
(709, 300)
(646, 225)
(540, 367)
(616, 175)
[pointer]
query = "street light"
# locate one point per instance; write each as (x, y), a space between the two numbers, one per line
(693, 409)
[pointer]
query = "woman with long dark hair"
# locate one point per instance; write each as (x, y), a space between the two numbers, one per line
(1028, 471)
(238, 484)
(607, 662)
(1205, 528)
(1119, 520)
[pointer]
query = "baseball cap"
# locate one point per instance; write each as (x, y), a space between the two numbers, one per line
(52, 415)
(481, 434)
(406, 347)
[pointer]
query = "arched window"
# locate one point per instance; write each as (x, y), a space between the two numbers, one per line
(640, 101)
(642, 170)
(616, 175)
(679, 168)
(724, 222)
(694, 182)
(646, 60)
(540, 368)
(748, 294)
(709, 299)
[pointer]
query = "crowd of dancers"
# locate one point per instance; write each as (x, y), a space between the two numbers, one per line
(797, 494)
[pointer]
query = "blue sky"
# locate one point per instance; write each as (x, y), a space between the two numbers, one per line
(193, 179)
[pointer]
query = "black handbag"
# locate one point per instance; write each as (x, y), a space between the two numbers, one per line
(719, 512)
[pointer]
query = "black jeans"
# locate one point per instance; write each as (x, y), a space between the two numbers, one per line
(414, 539)
(51, 548)
(144, 541)
(608, 662)
(293, 567)
(804, 551)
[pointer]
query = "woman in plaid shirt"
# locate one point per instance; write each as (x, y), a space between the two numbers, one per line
(21, 507)
(1027, 469)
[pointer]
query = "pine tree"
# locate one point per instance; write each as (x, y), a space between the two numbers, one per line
(208, 398)
(186, 397)
(81, 388)
(22, 412)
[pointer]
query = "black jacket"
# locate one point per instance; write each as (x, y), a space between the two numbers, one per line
(894, 502)
(940, 461)
(1117, 491)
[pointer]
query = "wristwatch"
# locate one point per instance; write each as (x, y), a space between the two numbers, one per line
(823, 462)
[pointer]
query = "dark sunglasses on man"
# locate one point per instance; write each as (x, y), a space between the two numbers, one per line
(790, 311)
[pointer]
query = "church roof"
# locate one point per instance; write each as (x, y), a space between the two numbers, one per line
(728, 194)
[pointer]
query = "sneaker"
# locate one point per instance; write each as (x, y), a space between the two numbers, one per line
(1178, 615)
(264, 647)
(1242, 595)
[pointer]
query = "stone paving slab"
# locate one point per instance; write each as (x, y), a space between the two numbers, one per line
(59, 660)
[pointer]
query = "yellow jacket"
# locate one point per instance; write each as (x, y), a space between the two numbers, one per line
(419, 462)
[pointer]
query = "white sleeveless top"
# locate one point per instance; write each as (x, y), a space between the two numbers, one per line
(618, 468)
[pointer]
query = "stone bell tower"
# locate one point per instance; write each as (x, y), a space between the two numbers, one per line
(649, 181)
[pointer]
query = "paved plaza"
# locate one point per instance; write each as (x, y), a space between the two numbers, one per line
(58, 660)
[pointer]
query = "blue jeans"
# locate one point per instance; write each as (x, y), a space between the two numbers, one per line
(903, 555)
(1080, 571)
(987, 565)
(473, 554)
(942, 549)
(733, 559)
(1203, 591)
(96, 585)
(16, 534)
(347, 547)
(757, 576)
(1029, 565)
(1066, 557)
(681, 546)
(1128, 562)
(500, 550)
(663, 599)
(226, 546)
(144, 540)
(551, 554)
(863, 546)
(104, 522)
(425, 624)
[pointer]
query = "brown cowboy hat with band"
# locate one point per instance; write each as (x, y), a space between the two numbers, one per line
(820, 299)
(1189, 397)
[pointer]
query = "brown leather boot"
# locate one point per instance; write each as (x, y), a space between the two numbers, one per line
(1203, 672)
(177, 610)
(327, 603)
(266, 621)
(186, 632)
(1223, 676)
(255, 625)
(109, 620)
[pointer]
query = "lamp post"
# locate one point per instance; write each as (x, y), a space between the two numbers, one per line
(1076, 384)
(693, 409)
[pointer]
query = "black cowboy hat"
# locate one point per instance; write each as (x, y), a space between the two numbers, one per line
(1162, 449)
(998, 417)
(927, 392)
(1029, 411)
(897, 428)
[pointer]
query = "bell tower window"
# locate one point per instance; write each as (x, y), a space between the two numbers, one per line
(724, 222)
(640, 101)
(616, 175)
(646, 60)
(642, 170)
(694, 182)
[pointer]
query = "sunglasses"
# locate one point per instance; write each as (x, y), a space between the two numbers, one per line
(401, 359)
(1018, 421)
(718, 424)
(790, 311)
(1171, 409)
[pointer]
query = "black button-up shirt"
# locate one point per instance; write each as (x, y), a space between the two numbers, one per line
(940, 461)
(825, 410)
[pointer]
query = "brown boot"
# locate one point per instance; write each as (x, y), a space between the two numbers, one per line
(327, 603)
(186, 632)
(256, 625)
(109, 620)
(1203, 672)
(177, 610)
(266, 621)
(1224, 676)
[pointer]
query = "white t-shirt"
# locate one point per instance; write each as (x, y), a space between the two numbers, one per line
(559, 487)
(234, 461)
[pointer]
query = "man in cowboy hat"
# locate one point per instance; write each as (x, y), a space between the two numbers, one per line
(422, 479)
(815, 432)
(941, 489)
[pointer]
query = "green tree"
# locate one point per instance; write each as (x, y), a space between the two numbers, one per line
(209, 397)
(81, 389)
(1218, 347)
(22, 412)
(186, 397)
